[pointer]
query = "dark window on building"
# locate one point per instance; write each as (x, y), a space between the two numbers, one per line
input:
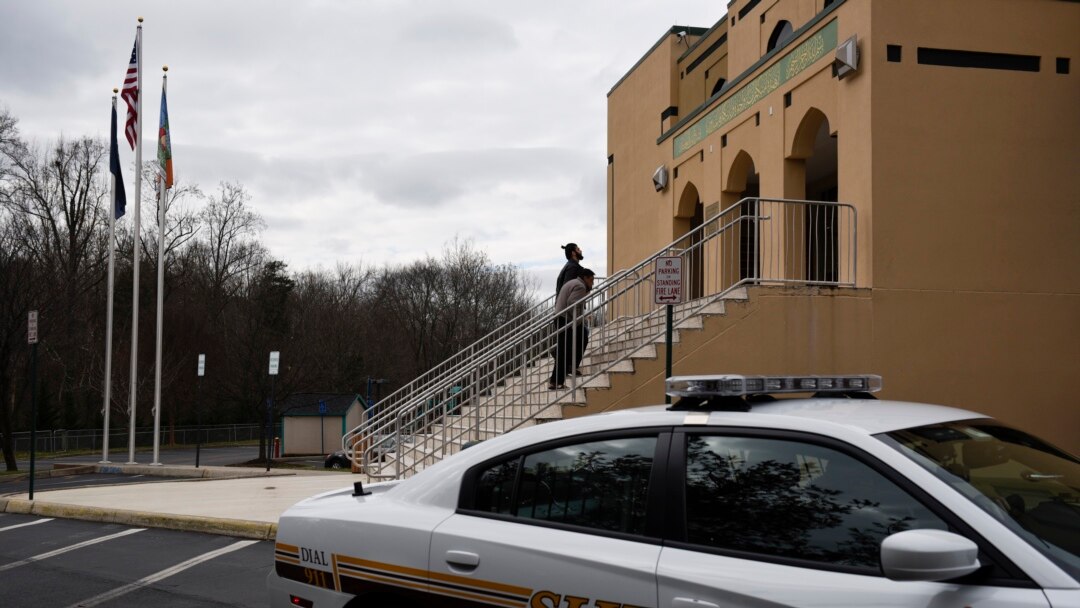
(787, 99)
(749, 7)
(789, 499)
(780, 34)
(675, 173)
(706, 53)
(757, 119)
(601, 484)
(1062, 65)
(723, 141)
(716, 87)
(977, 59)
(892, 52)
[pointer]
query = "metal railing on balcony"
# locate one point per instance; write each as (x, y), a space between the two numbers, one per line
(501, 382)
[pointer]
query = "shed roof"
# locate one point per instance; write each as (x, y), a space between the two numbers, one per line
(307, 404)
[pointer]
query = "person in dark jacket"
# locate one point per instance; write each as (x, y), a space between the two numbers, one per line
(572, 268)
(570, 327)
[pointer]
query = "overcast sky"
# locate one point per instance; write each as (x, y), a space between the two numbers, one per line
(366, 131)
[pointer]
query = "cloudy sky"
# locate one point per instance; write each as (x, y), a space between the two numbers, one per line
(368, 131)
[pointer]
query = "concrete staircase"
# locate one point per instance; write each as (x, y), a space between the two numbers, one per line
(522, 399)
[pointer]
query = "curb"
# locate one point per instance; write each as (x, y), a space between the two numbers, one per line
(56, 471)
(258, 530)
(182, 472)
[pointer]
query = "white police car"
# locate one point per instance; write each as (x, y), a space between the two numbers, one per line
(728, 498)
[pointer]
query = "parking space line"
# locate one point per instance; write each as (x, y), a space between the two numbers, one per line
(166, 573)
(92, 541)
(29, 523)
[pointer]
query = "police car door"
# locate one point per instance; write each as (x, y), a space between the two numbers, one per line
(560, 525)
(785, 519)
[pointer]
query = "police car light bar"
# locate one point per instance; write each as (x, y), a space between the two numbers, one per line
(729, 385)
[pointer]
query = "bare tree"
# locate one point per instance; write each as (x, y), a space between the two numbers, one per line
(230, 249)
(18, 286)
(54, 200)
(182, 220)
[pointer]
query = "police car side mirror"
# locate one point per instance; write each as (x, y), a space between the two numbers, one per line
(928, 555)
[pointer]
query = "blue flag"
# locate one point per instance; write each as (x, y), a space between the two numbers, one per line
(120, 198)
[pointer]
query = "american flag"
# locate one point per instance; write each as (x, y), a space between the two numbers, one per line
(130, 93)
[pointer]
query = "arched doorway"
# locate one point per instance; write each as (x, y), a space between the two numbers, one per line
(816, 150)
(743, 182)
(689, 215)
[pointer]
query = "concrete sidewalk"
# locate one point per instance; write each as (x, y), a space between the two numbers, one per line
(231, 501)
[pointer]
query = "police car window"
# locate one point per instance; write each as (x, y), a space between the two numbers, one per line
(599, 484)
(793, 500)
(495, 488)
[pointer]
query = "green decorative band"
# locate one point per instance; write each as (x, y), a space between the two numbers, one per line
(801, 57)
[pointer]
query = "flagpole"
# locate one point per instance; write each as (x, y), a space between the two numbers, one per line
(109, 302)
(163, 187)
(135, 255)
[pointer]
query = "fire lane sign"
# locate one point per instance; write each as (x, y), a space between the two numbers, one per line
(31, 327)
(668, 280)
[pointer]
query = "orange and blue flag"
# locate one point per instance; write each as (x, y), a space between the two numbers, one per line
(164, 151)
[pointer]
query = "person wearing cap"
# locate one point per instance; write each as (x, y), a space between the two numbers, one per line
(572, 268)
(569, 327)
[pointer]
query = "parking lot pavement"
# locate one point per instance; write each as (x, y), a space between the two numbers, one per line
(234, 501)
(58, 562)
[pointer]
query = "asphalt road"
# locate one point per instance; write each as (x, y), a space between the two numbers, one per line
(68, 563)
(216, 456)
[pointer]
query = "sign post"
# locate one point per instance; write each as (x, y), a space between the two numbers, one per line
(322, 426)
(32, 340)
(275, 360)
(198, 411)
(668, 291)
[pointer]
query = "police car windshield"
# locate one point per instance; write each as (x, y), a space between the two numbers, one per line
(1027, 484)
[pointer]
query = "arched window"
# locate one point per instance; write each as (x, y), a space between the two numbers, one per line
(719, 85)
(780, 35)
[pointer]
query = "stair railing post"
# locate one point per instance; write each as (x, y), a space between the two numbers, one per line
(476, 404)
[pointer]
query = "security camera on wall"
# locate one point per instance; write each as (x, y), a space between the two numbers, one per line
(659, 178)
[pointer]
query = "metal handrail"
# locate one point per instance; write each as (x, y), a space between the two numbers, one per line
(457, 364)
(499, 383)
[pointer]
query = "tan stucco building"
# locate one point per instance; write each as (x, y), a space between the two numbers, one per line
(956, 142)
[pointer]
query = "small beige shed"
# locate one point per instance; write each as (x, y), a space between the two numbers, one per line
(314, 423)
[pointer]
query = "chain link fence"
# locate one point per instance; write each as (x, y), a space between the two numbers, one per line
(67, 440)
